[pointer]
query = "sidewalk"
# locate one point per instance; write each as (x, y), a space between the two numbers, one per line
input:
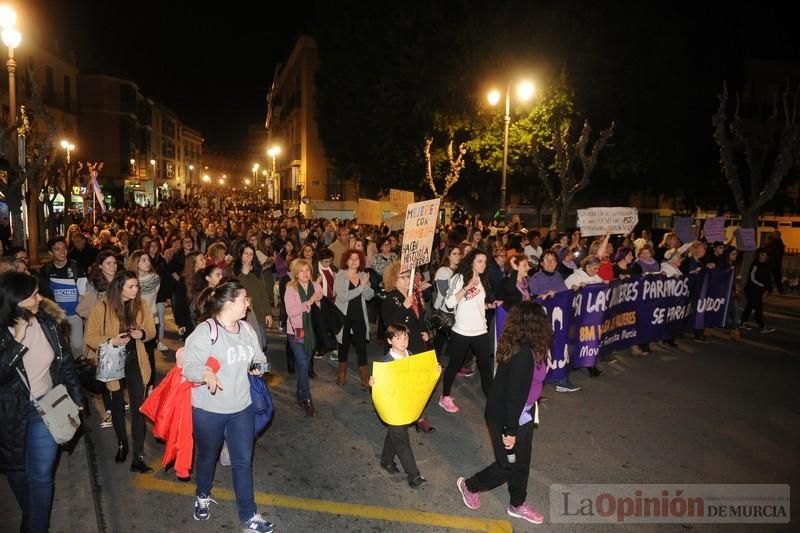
(73, 500)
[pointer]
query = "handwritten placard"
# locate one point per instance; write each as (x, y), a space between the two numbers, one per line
(418, 232)
(616, 220)
(714, 229)
(746, 239)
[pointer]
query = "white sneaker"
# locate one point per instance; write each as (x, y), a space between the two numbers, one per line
(162, 347)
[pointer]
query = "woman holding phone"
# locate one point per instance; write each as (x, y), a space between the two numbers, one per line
(123, 319)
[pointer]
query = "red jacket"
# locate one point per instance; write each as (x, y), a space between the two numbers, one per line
(169, 406)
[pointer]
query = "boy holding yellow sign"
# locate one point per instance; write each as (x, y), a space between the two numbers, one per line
(397, 442)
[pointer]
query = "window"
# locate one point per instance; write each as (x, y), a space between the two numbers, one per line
(334, 186)
(49, 89)
(67, 93)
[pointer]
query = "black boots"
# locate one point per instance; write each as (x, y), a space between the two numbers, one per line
(122, 452)
(138, 465)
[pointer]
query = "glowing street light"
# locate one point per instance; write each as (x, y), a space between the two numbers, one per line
(525, 91)
(206, 178)
(68, 146)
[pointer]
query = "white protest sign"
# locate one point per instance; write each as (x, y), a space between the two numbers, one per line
(418, 233)
(599, 220)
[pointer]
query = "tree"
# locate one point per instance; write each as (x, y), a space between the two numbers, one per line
(572, 166)
(456, 166)
(756, 154)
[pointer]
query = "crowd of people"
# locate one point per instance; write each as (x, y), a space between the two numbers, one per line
(333, 284)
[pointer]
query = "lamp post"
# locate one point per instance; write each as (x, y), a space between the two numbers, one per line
(11, 38)
(190, 180)
(273, 152)
(69, 147)
(155, 185)
(524, 92)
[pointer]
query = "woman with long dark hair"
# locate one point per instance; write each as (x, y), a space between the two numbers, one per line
(184, 293)
(510, 410)
(467, 297)
(100, 275)
(222, 410)
(34, 358)
(247, 269)
(123, 319)
(450, 260)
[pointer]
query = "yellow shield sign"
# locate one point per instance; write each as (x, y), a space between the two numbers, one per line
(402, 387)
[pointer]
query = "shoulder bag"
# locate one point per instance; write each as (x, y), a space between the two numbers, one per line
(58, 411)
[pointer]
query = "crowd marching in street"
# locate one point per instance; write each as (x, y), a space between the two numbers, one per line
(224, 266)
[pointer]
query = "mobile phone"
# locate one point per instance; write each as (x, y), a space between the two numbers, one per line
(262, 367)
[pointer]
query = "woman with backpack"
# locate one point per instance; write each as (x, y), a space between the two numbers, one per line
(222, 410)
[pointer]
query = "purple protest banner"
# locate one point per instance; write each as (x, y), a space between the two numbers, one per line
(746, 239)
(714, 229)
(683, 227)
(633, 311)
(711, 304)
(559, 309)
(584, 330)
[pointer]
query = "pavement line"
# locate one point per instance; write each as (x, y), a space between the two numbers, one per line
(375, 512)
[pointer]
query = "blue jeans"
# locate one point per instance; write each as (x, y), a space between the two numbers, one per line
(237, 429)
(33, 487)
(301, 359)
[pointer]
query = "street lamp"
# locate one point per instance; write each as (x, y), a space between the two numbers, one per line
(525, 91)
(273, 152)
(11, 38)
(68, 146)
(255, 171)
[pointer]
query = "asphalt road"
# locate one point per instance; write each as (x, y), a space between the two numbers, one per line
(727, 412)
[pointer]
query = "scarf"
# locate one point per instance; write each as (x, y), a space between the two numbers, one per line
(309, 340)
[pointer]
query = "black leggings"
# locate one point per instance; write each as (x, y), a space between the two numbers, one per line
(358, 338)
(755, 302)
(457, 349)
(133, 382)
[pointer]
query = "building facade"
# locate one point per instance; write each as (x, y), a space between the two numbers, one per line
(302, 167)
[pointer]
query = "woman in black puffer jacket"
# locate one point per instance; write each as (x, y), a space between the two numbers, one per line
(32, 347)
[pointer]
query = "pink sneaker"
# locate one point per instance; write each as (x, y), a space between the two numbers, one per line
(447, 403)
(465, 372)
(471, 499)
(526, 512)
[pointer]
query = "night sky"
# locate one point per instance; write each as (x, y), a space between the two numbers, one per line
(214, 66)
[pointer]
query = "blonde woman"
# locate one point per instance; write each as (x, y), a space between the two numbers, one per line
(301, 295)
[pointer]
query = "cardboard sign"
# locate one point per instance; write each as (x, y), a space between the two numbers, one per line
(399, 199)
(598, 220)
(369, 212)
(684, 229)
(419, 229)
(402, 387)
(714, 229)
(397, 222)
(746, 239)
